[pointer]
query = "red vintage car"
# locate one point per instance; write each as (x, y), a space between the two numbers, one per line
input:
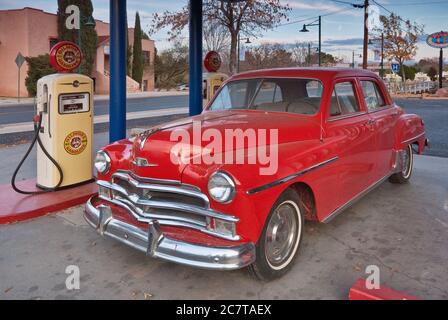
(300, 144)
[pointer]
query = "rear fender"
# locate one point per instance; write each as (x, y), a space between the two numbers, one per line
(410, 129)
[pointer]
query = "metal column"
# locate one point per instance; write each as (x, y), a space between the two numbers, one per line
(117, 109)
(195, 57)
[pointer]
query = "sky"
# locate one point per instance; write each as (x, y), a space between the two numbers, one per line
(342, 25)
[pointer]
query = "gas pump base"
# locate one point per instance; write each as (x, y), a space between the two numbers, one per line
(19, 207)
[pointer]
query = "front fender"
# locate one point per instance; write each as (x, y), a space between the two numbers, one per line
(410, 129)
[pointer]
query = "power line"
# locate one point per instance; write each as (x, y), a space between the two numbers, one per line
(354, 5)
(315, 17)
(416, 3)
(398, 17)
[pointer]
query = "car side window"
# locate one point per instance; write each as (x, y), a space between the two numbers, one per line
(343, 100)
(372, 95)
(269, 93)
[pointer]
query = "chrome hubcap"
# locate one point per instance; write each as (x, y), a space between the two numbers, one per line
(282, 233)
(406, 162)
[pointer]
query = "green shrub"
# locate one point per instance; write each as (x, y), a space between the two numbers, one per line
(37, 68)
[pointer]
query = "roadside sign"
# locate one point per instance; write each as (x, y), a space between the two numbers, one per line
(395, 67)
(20, 59)
(438, 40)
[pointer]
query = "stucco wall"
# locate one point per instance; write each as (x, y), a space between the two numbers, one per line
(29, 30)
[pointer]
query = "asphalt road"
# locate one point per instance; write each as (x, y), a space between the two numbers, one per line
(434, 113)
(16, 113)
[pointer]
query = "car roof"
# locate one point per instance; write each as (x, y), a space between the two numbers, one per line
(319, 73)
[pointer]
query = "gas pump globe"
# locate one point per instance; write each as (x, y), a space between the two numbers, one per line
(212, 80)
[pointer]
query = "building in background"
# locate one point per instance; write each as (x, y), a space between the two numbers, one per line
(33, 32)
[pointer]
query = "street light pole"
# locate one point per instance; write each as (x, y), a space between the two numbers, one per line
(312, 24)
(238, 60)
(441, 68)
(309, 54)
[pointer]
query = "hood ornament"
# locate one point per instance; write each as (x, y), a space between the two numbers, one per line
(145, 135)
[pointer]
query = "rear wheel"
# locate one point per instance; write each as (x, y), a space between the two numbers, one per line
(407, 163)
(279, 242)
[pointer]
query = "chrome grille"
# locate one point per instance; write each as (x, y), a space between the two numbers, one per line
(169, 202)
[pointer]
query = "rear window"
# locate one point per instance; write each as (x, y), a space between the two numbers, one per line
(343, 100)
(300, 96)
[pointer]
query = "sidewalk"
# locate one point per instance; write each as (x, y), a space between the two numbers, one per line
(29, 126)
(8, 101)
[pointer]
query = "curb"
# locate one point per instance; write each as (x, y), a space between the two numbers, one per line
(17, 207)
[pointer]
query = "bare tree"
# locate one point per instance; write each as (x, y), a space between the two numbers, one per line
(216, 37)
(171, 66)
(299, 51)
(400, 39)
(247, 17)
(268, 55)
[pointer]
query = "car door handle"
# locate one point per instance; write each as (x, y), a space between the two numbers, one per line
(370, 122)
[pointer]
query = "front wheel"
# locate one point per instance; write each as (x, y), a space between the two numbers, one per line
(279, 242)
(407, 163)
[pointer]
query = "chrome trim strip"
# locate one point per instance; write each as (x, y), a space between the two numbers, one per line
(149, 180)
(174, 221)
(193, 192)
(290, 177)
(412, 139)
(157, 245)
(345, 116)
(355, 199)
(167, 205)
(142, 162)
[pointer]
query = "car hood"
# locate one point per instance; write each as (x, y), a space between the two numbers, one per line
(168, 148)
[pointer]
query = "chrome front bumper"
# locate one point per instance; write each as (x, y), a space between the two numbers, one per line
(156, 245)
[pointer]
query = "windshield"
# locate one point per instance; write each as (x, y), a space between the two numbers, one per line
(300, 96)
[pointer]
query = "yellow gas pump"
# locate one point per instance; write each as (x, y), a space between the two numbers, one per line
(212, 80)
(63, 124)
(65, 103)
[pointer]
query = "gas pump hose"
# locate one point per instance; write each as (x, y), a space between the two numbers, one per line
(37, 127)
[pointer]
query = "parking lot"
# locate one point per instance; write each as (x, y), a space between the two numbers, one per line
(402, 229)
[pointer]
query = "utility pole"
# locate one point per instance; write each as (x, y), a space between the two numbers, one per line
(366, 34)
(382, 55)
(320, 40)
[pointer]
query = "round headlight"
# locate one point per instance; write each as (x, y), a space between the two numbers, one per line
(102, 162)
(221, 187)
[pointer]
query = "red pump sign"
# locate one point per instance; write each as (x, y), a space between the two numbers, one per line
(65, 56)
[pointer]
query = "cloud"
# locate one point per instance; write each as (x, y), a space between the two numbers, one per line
(322, 7)
(344, 42)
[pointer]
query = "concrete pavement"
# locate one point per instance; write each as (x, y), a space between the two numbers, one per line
(402, 229)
